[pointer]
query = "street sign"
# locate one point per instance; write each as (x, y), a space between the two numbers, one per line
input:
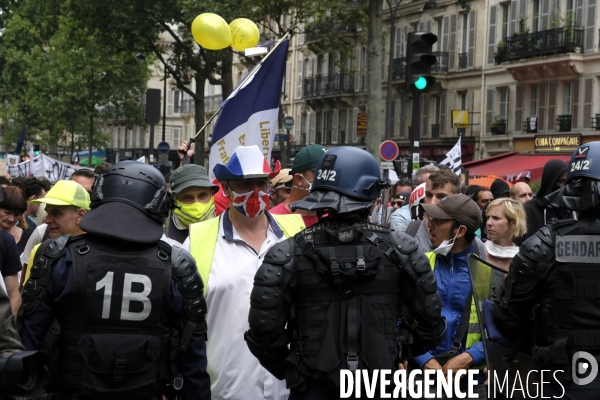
(387, 165)
(288, 122)
(163, 147)
(388, 150)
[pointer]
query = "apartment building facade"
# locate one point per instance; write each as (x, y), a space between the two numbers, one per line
(524, 71)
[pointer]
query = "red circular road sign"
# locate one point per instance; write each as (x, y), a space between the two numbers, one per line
(389, 150)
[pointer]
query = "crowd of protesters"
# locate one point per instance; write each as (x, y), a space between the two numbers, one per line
(222, 220)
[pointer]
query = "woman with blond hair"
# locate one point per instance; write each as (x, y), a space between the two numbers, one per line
(506, 221)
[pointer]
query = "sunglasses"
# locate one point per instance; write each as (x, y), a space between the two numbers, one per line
(399, 203)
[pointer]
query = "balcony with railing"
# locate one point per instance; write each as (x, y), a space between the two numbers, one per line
(530, 125)
(184, 107)
(595, 122)
(498, 127)
(441, 64)
(463, 60)
(322, 85)
(212, 103)
(543, 43)
(399, 67)
(564, 123)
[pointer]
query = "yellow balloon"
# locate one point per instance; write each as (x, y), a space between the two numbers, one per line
(244, 34)
(211, 31)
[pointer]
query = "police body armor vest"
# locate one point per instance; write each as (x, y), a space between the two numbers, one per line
(572, 322)
(347, 300)
(116, 339)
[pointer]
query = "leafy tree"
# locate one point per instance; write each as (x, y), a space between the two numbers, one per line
(55, 71)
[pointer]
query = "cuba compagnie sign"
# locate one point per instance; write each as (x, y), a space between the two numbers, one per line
(556, 143)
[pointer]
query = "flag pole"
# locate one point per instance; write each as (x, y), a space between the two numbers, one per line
(288, 35)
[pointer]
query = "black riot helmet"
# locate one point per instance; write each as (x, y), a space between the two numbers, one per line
(346, 179)
(130, 201)
(582, 189)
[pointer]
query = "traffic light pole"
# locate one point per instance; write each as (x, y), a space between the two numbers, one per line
(415, 134)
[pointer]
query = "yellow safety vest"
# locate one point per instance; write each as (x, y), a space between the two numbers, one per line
(204, 235)
(474, 331)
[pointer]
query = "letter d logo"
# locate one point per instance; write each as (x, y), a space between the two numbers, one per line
(581, 367)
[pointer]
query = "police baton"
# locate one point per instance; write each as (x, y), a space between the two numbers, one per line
(288, 35)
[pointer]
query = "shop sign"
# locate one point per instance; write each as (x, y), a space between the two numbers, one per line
(557, 143)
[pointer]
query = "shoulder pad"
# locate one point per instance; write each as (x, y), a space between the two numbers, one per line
(280, 253)
(182, 261)
(537, 247)
(564, 227)
(404, 243)
(190, 286)
(56, 246)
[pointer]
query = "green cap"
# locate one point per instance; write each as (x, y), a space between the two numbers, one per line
(307, 158)
(190, 175)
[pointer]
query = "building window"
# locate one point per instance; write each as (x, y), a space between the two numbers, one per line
(440, 33)
(462, 96)
(536, 15)
(505, 12)
(567, 98)
(534, 102)
(504, 103)
(176, 137)
(177, 101)
(465, 33)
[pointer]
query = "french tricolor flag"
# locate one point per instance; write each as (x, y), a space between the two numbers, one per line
(249, 116)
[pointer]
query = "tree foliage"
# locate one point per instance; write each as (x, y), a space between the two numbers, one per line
(56, 75)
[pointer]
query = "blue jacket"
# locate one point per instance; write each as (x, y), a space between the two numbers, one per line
(454, 285)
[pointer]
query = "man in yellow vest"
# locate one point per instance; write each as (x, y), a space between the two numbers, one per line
(228, 251)
(451, 224)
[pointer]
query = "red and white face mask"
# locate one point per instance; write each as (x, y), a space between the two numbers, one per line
(252, 203)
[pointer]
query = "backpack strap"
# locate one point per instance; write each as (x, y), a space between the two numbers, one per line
(413, 228)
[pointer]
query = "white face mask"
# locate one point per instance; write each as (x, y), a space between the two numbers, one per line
(501, 251)
(445, 247)
(309, 185)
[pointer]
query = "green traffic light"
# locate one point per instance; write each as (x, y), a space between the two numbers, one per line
(421, 83)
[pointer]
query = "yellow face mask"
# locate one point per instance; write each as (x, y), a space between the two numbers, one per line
(195, 212)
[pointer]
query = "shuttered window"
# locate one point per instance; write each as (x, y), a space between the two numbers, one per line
(552, 89)
(575, 109)
(588, 95)
(519, 108)
(492, 36)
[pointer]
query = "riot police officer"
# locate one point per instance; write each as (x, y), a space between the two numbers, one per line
(347, 281)
(130, 307)
(553, 286)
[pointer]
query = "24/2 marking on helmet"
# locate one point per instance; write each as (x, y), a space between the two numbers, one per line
(326, 175)
(580, 165)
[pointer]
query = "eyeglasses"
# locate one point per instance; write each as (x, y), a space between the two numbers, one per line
(399, 203)
(435, 221)
(247, 185)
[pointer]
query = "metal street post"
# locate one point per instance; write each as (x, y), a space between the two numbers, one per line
(415, 134)
(390, 93)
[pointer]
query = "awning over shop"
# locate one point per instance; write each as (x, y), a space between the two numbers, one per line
(512, 166)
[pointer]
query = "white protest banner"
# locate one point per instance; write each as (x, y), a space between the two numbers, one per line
(12, 159)
(45, 166)
(142, 159)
